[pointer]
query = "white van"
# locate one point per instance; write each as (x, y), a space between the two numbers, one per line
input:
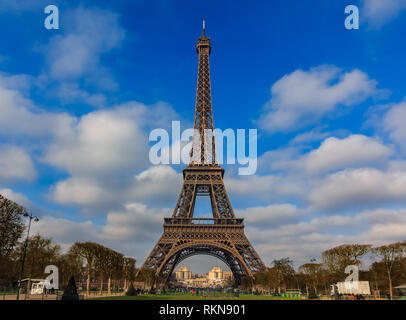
(38, 287)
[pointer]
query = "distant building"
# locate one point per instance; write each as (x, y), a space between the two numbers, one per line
(183, 273)
(215, 278)
(216, 274)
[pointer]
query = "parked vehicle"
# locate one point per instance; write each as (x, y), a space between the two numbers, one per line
(38, 287)
(351, 288)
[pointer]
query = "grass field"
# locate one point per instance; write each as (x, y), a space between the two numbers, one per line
(195, 297)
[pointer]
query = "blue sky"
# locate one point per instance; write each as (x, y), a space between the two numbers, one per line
(77, 105)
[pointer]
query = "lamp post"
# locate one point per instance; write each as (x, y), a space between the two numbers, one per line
(30, 216)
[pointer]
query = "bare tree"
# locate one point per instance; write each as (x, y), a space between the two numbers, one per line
(88, 251)
(284, 271)
(338, 258)
(114, 266)
(389, 254)
(11, 230)
(40, 253)
(11, 225)
(148, 276)
(128, 271)
(108, 263)
(70, 264)
(312, 272)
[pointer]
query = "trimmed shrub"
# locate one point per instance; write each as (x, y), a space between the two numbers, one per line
(131, 291)
(70, 292)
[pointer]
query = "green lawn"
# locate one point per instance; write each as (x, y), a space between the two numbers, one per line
(187, 296)
(9, 293)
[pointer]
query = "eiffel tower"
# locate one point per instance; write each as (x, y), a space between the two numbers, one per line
(221, 236)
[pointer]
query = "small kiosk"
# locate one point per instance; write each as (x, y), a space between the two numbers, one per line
(34, 286)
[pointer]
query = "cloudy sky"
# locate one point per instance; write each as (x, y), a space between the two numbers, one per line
(77, 105)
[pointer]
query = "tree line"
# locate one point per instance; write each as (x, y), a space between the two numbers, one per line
(388, 267)
(82, 259)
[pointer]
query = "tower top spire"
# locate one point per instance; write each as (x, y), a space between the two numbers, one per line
(203, 42)
(204, 149)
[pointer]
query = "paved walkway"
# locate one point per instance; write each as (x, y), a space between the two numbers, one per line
(28, 297)
(54, 296)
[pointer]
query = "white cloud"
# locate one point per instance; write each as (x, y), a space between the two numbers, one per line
(18, 82)
(65, 231)
(15, 164)
(88, 34)
(80, 191)
(279, 159)
(19, 116)
(397, 165)
(303, 97)
(393, 122)
(314, 135)
(384, 234)
(301, 240)
(268, 187)
(378, 12)
(74, 72)
(353, 151)
(383, 216)
(101, 151)
(70, 92)
(156, 185)
(136, 222)
(132, 230)
(102, 143)
(333, 154)
(269, 216)
(15, 196)
(104, 153)
(352, 188)
(73, 69)
(161, 182)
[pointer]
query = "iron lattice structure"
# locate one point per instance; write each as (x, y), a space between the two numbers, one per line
(221, 236)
